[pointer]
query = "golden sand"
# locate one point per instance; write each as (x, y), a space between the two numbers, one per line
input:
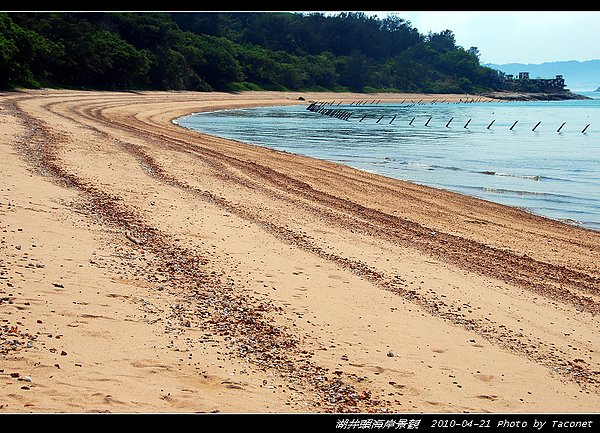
(148, 268)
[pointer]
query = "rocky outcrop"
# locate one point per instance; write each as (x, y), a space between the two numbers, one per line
(537, 96)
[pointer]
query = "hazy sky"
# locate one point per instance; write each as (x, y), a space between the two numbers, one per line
(516, 37)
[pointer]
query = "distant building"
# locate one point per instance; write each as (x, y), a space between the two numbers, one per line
(524, 83)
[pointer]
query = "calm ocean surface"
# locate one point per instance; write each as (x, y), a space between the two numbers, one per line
(554, 174)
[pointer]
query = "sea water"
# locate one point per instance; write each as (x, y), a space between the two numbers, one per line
(543, 157)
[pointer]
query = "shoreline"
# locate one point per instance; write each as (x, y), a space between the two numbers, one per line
(570, 222)
(165, 270)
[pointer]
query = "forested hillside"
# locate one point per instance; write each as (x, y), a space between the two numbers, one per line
(234, 51)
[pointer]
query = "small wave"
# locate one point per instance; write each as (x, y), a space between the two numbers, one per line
(523, 193)
(449, 168)
(520, 176)
(417, 164)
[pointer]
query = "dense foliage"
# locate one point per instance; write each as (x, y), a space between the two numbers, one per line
(234, 51)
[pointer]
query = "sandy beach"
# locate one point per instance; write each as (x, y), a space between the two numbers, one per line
(146, 268)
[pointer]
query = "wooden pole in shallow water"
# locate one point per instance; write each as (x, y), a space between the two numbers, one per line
(536, 125)
(560, 127)
(448, 124)
(410, 123)
(513, 125)
(427, 123)
(584, 129)
(379, 119)
(393, 118)
(467, 124)
(491, 124)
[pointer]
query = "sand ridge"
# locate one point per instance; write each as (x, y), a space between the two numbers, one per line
(187, 273)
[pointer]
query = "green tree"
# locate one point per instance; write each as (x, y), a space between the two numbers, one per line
(258, 65)
(109, 62)
(442, 41)
(321, 70)
(25, 56)
(169, 70)
(213, 59)
(8, 51)
(356, 71)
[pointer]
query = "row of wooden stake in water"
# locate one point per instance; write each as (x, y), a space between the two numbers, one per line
(345, 115)
(419, 102)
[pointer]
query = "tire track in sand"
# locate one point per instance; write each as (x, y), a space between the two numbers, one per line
(355, 216)
(238, 317)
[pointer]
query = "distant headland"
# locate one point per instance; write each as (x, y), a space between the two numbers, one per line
(579, 75)
(535, 96)
(524, 88)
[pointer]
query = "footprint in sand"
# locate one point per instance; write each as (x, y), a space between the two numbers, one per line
(233, 385)
(488, 397)
(109, 399)
(485, 377)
